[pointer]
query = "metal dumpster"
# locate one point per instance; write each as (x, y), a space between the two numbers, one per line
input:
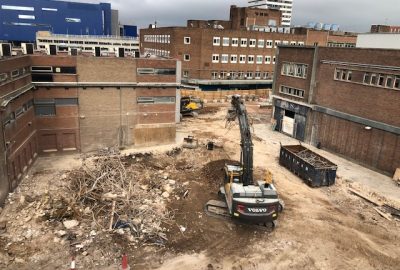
(314, 169)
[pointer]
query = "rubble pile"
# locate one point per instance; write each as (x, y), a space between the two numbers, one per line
(120, 198)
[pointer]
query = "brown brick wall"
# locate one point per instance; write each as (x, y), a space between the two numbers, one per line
(300, 56)
(371, 102)
(99, 69)
(374, 148)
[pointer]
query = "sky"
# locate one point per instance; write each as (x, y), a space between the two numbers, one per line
(351, 15)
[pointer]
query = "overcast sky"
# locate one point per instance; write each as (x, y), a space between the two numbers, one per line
(351, 15)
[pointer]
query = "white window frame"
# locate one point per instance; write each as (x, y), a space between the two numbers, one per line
(268, 59)
(258, 57)
(215, 58)
(269, 43)
(300, 43)
(243, 42)
(261, 43)
(224, 58)
(235, 42)
(26, 17)
(216, 41)
(273, 59)
(293, 43)
(185, 40)
(185, 74)
(186, 57)
(224, 39)
(242, 56)
(276, 43)
(250, 59)
(234, 58)
(252, 43)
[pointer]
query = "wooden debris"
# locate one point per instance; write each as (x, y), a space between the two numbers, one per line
(365, 197)
(383, 214)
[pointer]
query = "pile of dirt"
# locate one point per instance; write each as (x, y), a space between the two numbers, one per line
(209, 110)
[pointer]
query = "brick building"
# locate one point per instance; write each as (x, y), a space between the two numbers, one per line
(63, 104)
(234, 54)
(380, 28)
(341, 99)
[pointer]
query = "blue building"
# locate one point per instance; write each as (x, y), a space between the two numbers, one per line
(21, 19)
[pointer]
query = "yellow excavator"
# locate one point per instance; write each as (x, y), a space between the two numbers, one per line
(190, 106)
(243, 198)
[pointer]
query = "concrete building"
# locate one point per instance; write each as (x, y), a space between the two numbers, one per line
(87, 44)
(341, 99)
(285, 6)
(382, 40)
(20, 20)
(64, 104)
(234, 54)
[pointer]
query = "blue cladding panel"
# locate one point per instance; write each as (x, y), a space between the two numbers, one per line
(130, 30)
(86, 19)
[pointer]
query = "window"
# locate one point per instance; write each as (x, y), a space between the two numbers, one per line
(273, 60)
(66, 101)
(293, 43)
(257, 75)
(367, 78)
(267, 60)
(373, 79)
(294, 70)
(285, 42)
(234, 58)
(242, 59)
(8, 119)
(186, 40)
(243, 42)
(186, 57)
(145, 71)
(225, 41)
(26, 17)
(300, 43)
(49, 9)
(223, 75)
(156, 100)
(252, 43)
(259, 59)
(224, 58)
(397, 82)
(73, 20)
(216, 41)
(261, 43)
(249, 75)
(185, 74)
(3, 77)
(250, 59)
(214, 75)
(291, 91)
(240, 75)
(22, 8)
(389, 82)
(14, 73)
(156, 71)
(381, 80)
(235, 42)
(45, 107)
(277, 42)
(19, 112)
(269, 43)
(215, 58)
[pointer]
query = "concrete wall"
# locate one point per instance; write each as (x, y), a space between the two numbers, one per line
(375, 40)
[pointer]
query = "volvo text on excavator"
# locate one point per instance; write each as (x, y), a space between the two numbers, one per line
(254, 202)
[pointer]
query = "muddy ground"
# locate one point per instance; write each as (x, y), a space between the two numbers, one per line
(324, 228)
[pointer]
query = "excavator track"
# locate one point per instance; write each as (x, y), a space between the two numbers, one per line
(219, 209)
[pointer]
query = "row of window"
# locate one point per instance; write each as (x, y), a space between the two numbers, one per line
(17, 113)
(23, 8)
(14, 74)
(341, 45)
(291, 91)
(157, 38)
(156, 100)
(156, 71)
(243, 59)
(241, 75)
(390, 81)
(294, 70)
(60, 41)
(252, 42)
(157, 52)
(47, 107)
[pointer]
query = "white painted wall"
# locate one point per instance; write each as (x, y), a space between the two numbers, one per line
(380, 41)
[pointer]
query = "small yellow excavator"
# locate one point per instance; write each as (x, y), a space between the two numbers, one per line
(190, 106)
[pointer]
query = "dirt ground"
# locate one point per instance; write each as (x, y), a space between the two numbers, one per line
(323, 228)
